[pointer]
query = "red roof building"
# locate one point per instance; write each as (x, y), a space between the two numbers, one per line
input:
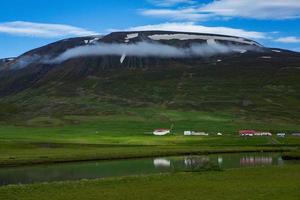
(247, 132)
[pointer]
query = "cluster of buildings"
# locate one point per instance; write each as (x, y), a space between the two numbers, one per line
(194, 133)
(254, 133)
(161, 132)
(259, 133)
(243, 133)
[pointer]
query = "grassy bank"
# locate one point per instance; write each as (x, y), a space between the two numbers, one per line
(277, 183)
(14, 154)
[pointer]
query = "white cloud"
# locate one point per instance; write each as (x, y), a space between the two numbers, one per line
(254, 9)
(22, 28)
(258, 9)
(182, 14)
(140, 49)
(192, 27)
(171, 2)
(290, 39)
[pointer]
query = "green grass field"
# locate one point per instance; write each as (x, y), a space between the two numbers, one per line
(74, 138)
(276, 183)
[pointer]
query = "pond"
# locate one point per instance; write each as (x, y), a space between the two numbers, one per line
(117, 168)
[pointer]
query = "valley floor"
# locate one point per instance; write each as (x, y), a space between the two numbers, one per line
(18, 151)
(276, 183)
(129, 135)
(99, 138)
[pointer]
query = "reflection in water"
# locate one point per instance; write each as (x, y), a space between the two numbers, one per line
(102, 169)
(220, 160)
(192, 162)
(256, 160)
(161, 163)
(280, 161)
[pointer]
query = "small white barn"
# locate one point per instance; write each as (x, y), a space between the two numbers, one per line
(161, 132)
(280, 134)
(201, 133)
(263, 134)
(187, 133)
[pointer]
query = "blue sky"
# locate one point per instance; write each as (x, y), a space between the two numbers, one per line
(27, 24)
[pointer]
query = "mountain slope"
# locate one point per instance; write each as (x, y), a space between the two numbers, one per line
(242, 78)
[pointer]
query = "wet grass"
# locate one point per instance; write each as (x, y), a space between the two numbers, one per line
(277, 183)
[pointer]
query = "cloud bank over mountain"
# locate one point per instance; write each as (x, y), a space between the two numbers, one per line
(45, 30)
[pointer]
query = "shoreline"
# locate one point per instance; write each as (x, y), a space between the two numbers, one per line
(145, 155)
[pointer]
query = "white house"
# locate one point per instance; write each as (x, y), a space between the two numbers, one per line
(201, 133)
(161, 132)
(296, 134)
(187, 133)
(263, 134)
(280, 134)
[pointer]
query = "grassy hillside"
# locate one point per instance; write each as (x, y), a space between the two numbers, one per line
(227, 91)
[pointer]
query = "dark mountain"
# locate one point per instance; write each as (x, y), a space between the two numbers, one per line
(203, 72)
(5, 62)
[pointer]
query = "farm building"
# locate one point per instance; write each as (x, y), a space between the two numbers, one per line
(187, 133)
(263, 134)
(280, 134)
(247, 132)
(295, 134)
(201, 133)
(161, 132)
(254, 133)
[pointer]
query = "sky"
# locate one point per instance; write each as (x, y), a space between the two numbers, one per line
(28, 24)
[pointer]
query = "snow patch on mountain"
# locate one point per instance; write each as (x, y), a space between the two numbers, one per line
(277, 51)
(122, 58)
(181, 36)
(239, 50)
(211, 42)
(131, 36)
(92, 41)
(266, 57)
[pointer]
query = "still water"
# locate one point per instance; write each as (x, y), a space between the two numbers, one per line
(102, 169)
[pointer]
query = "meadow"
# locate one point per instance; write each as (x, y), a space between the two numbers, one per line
(78, 138)
(277, 183)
